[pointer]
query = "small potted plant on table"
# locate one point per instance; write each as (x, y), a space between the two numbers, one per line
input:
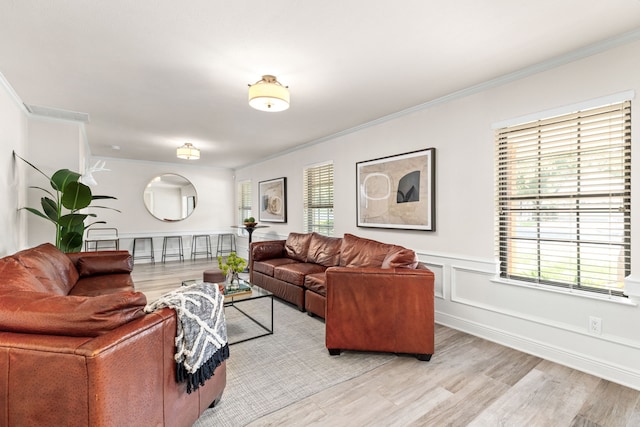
(250, 222)
(231, 267)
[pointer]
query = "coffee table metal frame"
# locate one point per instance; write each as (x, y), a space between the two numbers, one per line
(258, 293)
(234, 301)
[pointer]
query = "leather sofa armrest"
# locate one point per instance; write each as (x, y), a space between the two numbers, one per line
(380, 309)
(68, 315)
(102, 262)
(267, 249)
(94, 379)
(363, 287)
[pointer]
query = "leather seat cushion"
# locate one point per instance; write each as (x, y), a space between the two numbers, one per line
(316, 282)
(295, 273)
(267, 266)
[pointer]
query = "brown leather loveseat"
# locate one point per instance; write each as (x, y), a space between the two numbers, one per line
(76, 349)
(373, 296)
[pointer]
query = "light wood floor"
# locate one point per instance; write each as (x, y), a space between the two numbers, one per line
(468, 382)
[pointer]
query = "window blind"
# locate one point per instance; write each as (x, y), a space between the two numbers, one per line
(244, 202)
(318, 199)
(563, 194)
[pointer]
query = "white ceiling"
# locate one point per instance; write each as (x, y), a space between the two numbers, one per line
(153, 74)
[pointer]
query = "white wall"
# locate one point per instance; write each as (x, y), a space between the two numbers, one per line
(54, 144)
(13, 137)
(461, 251)
(126, 180)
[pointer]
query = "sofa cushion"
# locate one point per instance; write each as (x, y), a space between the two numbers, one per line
(267, 266)
(15, 276)
(400, 257)
(50, 266)
(324, 250)
(111, 263)
(297, 246)
(43, 313)
(295, 273)
(316, 282)
(360, 252)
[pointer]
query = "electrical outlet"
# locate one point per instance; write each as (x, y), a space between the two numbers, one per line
(595, 325)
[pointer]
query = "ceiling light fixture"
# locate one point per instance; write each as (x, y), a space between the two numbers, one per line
(188, 152)
(269, 95)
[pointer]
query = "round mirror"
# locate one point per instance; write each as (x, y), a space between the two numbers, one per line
(170, 197)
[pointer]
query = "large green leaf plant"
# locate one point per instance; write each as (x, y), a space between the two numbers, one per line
(72, 195)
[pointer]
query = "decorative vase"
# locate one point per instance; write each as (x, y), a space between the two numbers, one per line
(232, 278)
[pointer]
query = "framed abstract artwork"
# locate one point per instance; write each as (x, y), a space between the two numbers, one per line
(272, 196)
(397, 191)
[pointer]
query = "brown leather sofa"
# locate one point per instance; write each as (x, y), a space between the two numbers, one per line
(76, 349)
(374, 296)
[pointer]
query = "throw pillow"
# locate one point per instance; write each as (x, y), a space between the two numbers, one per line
(400, 257)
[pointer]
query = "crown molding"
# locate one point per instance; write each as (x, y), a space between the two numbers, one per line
(584, 52)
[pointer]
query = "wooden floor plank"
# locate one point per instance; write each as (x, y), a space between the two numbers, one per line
(468, 382)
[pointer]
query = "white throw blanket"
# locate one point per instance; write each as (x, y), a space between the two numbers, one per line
(201, 338)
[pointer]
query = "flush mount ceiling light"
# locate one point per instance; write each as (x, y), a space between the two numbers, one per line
(188, 152)
(269, 95)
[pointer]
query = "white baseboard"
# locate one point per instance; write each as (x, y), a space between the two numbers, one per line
(585, 363)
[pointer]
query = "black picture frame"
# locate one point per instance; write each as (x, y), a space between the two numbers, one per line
(272, 199)
(397, 191)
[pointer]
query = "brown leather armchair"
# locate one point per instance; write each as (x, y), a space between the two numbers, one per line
(386, 310)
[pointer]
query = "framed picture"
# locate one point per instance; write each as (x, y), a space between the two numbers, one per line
(273, 200)
(397, 191)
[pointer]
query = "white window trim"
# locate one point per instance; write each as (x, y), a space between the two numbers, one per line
(566, 291)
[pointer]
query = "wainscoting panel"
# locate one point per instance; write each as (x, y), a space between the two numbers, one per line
(546, 324)
(439, 273)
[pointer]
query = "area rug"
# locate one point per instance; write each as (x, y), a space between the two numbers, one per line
(274, 371)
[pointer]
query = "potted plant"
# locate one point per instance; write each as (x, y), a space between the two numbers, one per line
(73, 196)
(231, 267)
(250, 222)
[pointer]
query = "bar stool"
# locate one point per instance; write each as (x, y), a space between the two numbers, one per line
(102, 238)
(166, 241)
(194, 246)
(220, 250)
(143, 241)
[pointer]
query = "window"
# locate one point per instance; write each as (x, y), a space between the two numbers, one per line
(318, 199)
(563, 199)
(244, 202)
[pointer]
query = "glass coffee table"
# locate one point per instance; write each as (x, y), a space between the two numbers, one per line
(247, 295)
